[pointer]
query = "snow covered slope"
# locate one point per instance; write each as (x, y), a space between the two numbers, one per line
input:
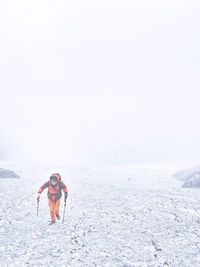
(118, 217)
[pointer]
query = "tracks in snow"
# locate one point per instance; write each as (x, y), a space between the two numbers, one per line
(106, 224)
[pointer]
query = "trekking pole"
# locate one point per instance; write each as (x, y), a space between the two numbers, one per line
(38, 200)
(64, 212)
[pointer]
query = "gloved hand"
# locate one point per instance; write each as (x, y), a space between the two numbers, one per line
(38, 196)
(66, 195)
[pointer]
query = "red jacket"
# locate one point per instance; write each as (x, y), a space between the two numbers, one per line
(54, 192)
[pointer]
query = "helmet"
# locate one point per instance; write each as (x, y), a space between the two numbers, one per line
(57, 175)
(54, 179)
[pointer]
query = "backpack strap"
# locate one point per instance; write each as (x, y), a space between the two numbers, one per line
(58, 195)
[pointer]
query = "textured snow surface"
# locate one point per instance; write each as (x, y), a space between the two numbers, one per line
(113, 218)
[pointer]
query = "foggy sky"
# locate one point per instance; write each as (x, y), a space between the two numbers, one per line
(94, 83)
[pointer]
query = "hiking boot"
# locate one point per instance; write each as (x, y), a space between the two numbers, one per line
(52, 222)
(58, 216)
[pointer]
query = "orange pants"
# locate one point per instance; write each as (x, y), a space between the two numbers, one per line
(54, 208)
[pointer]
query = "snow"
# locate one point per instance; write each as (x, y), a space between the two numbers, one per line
(114, 217)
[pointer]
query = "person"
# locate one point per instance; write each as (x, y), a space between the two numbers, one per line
(55, 187)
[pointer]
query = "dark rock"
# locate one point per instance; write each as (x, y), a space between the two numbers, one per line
(184, 175)
(4, 173)
(192, 181)
(190, 177)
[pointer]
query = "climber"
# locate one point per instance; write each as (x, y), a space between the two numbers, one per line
(55, 187)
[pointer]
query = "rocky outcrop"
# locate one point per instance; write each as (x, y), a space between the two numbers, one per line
(4, 173)
(190, 177)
